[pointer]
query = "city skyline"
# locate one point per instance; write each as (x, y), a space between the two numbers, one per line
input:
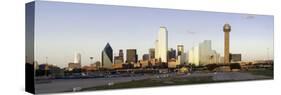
(60, 33)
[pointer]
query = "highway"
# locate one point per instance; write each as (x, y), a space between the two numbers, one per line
(62, 85)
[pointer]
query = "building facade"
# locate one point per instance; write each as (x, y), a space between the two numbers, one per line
(151, 53)
(171, 54)
(203, 54)
(77, 58)
(162, 44)
(120, 58)
(180, 49)
(145, 57)
(121, 55)
(132, 56)
(235, 58)
(107, 57)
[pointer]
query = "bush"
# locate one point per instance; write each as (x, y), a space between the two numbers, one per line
(211, 67)
(235, 66)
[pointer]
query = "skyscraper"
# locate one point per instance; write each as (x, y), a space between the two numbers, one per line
(107, 56)
(205, 49)
(77, 58)
(120, 58)
(156, 50)
(193, 56)
(226, 30)
(145, 57)
(162, 44)
(180, 50)
(132, 56)
(171, 53)
(235, 58)
(203, 54)
(121, 55)
(152, 53)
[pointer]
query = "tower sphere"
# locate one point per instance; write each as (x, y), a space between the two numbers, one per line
(226, 28)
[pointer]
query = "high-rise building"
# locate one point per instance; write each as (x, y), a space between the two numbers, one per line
(226, 30)
(132, 56)
(107, 57)
(77, 58)
(156, 50)
(181, 56)
(193, 56)
(182, 59)
(205, 50)
(235, 57)
(180, 50)
(121, 55)
(152, 53)
(118, 62)
(145, 57)
(162, 44)
(171, 54)
(203, 54)
(76, 64)
(120, 58)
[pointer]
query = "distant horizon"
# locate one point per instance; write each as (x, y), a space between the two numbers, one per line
(62, 29)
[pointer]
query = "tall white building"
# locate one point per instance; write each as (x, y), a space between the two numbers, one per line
(162, 44)
(156, 50)
(77, 58)
(205, 50)
(76, 63)
(203, 54)
(193, 55)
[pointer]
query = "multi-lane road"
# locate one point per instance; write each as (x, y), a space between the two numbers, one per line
(62, 85)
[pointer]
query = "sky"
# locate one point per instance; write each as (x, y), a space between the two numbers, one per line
(63, 29)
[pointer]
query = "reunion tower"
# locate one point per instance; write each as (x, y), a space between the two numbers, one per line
(226, 30)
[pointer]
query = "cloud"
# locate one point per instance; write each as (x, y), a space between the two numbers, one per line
(249, 16)
(191, 33)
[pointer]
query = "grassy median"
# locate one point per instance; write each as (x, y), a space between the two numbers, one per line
(155, 82)
(263, 72)
(168, 81)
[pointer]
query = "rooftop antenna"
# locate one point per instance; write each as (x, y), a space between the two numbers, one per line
(46, 60)
(267, 53)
